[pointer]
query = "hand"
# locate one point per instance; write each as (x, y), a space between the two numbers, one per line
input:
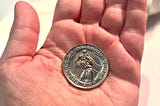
(34, 78)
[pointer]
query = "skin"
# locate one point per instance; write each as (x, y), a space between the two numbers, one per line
(34, 78)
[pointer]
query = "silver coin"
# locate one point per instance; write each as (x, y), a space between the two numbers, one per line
(85, 66)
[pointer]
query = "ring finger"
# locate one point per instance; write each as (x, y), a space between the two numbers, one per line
(114, 15)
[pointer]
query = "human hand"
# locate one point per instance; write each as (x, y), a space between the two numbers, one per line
(34, 78)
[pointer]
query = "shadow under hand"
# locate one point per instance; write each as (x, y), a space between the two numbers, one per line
(153, 20)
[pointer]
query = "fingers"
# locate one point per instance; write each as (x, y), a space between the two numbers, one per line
(114, 15)
(92, 11)
(132, 36)
(67, 9)
(136, 16)
(24, 33)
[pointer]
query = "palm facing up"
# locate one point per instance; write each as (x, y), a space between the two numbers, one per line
(31, 78)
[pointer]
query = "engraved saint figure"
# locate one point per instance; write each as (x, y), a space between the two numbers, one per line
(85, 65)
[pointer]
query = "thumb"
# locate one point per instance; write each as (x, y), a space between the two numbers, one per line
(24, 33)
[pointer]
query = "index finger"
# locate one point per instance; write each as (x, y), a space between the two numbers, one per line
(67, 9)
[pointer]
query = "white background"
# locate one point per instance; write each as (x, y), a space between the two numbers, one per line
(6, 6)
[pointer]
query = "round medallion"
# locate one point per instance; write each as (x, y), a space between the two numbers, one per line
(85, 66)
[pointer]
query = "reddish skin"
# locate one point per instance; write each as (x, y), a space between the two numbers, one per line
(30, 78)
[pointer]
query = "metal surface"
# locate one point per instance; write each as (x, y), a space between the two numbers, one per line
(85, 66)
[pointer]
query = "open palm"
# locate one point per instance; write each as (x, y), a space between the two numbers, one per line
(30, 78)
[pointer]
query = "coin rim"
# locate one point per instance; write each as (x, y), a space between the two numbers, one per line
(87, 87)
